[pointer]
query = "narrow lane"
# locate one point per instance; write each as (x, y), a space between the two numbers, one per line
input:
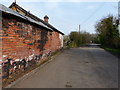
(84, 67)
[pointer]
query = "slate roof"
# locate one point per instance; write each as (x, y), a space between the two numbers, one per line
(35, 17)
(10, 11)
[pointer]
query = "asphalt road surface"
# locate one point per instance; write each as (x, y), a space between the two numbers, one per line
(84, 67)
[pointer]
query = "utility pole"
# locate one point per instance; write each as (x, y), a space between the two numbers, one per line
(118, 19)
(79, 29)
(119, 15)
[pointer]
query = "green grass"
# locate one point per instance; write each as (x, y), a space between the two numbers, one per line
(113, 51)
(116, 51)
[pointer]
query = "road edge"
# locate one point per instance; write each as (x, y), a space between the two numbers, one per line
(33, 71)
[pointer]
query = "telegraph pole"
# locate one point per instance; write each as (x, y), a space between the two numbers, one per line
(119, 15)
(79, 29)
(118, 19)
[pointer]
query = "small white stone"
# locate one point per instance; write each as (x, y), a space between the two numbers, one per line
(4, 55)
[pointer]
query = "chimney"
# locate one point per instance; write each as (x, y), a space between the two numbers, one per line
(46, 18)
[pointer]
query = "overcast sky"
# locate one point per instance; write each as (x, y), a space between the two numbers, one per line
(66, 15)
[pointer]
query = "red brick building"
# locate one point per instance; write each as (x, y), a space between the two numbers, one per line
(26, 39)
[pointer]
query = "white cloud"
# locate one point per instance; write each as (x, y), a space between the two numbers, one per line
(51, 5)
(91, 7)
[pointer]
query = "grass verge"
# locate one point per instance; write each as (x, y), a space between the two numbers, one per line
(113, 51)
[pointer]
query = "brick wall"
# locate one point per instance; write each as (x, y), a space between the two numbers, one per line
(56, 44)
(24, 42)
(20, 39)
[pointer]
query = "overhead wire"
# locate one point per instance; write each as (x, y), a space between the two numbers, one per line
(91, 15)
